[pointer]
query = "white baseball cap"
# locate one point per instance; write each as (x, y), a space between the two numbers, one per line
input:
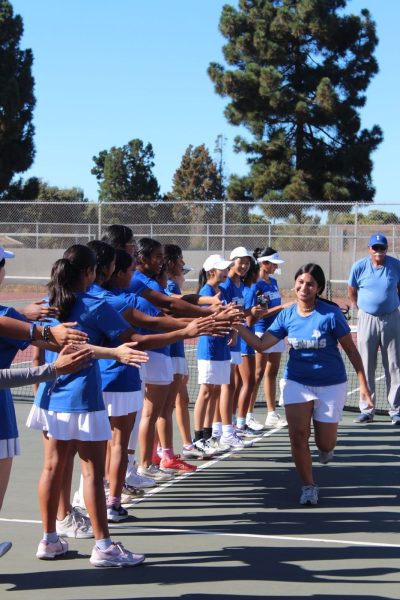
(272, 258)
(240, 252)
(216, 261)
(5, 253)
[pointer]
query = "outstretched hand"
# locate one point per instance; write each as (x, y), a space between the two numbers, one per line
(127, 355)
(73, 358)
(63, 334)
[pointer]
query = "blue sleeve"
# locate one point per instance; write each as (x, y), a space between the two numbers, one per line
(110, 322)
(340, 327)
(279, 327)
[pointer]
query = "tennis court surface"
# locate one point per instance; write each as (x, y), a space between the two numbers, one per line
(234, 529)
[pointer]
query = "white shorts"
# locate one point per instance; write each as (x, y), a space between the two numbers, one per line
(86, 427)
(158, 369)
(278, 347)
(236, 358)
(179, 365)
(119, 404)
(9, 448)
(328, 400)
(215, 372)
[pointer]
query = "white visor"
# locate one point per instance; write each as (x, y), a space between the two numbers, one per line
(272, 258)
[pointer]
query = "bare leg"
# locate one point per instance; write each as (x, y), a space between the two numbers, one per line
(164, 422)
(154, 399)
(325, 435)
(261, 362)
(92, 455)
(271, 373)
(121, 428)
(5, 470)
(182, 412)
(64, 505)
(247, 374)
(299, 422)
(202, 402)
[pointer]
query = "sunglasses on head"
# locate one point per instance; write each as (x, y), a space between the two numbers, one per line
(378, 248)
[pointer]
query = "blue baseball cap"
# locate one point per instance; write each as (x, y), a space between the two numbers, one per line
(378, 238)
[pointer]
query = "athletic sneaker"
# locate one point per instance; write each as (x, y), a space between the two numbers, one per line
(48, 550)
(177, 464)
(192, 452)
(205, 447)
(232, 441)
(325, 457)
(137, 481)
(115, 556)
(254, 424)
(364, 418)
(215, 444)
(396, 421)
(78, 502)
(4, 548)
(274, 420)
(75, 525)
(115, 514)
(309, 495)
(130, 494)
(153, 472)
(247, 432)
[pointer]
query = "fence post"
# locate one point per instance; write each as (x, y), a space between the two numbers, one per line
(208, 237)
(99, 219)
(223, 226)
(37, 234)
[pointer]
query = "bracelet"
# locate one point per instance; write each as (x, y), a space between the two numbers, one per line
(46, 333)
(32, 330)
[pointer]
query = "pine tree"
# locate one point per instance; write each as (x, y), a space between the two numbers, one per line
(16, 98)
(299, 73)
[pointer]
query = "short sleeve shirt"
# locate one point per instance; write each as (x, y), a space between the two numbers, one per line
(377, 292)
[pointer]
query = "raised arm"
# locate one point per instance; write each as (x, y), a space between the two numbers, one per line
(259, 344)
(354, 356)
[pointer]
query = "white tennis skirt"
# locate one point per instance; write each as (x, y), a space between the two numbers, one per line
(119, 404)
(9, 448)
(278, 347)
(215, 372)
(179, 365)
(85, 427)
(158, 369)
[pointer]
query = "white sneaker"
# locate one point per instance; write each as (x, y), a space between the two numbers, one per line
(191, 452)
(254, 424)
(75, 525)
(49, 550)
(140, 482)
(233, 442)
(154, 473)
(78, 501)
(115, 556)
(205, 447)
(309, 495)
(325, 457)
(274, 420)
(215, 444)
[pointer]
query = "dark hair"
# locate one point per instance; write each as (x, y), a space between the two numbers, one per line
(267, 251)
(123, 261)
(117, 236)
(315, 271)
(146, 246)
(2, 263)
(253, 269)
(172, 253)
(66, 273)
(202, 279)
(105, 254)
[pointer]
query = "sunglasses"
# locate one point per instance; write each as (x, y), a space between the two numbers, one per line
(379, 248)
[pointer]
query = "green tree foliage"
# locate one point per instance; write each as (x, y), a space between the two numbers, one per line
(198, 178)
(126, 174)
(299, 71)
(16, 98)
(373, 217)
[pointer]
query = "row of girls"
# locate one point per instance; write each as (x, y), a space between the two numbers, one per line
(125, 395)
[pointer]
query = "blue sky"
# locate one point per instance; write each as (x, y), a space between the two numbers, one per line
(107, 72)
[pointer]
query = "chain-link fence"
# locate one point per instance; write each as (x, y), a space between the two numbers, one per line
(333, 238)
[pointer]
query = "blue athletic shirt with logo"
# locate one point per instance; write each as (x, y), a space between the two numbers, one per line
(81, 391)
(271, 291)
(178, 348)
(8, 349)
(376, 288)
(115, 376)
(149, 309)
(139, 283)
(208, 347)
(250, 300)
(314, 357)
(233, 293)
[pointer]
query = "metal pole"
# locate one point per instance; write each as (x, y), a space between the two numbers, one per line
(223, 226)
(99, 221)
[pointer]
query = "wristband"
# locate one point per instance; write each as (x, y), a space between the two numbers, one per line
(46, 333)
(32, 330)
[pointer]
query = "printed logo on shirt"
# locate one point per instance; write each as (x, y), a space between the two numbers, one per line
(313, 344)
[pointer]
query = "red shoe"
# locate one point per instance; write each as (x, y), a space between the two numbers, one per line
(155, 460)
(177, 464)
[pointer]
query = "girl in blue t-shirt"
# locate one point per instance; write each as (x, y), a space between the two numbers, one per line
(213, 357)
(313, 387)
(268, 362)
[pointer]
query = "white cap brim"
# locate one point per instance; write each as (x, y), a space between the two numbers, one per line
(271, 259)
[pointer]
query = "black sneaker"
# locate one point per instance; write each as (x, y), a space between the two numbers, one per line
(116, 514)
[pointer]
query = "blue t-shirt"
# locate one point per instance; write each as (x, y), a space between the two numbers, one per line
(250, 300)
(115, 376)
(81, 391)
(233, 293)
(8, 349)
(314, 357)
(208, 347)
(139, 283)
(376, 288)
(271, 292)
(178, 348)
(149, 309)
